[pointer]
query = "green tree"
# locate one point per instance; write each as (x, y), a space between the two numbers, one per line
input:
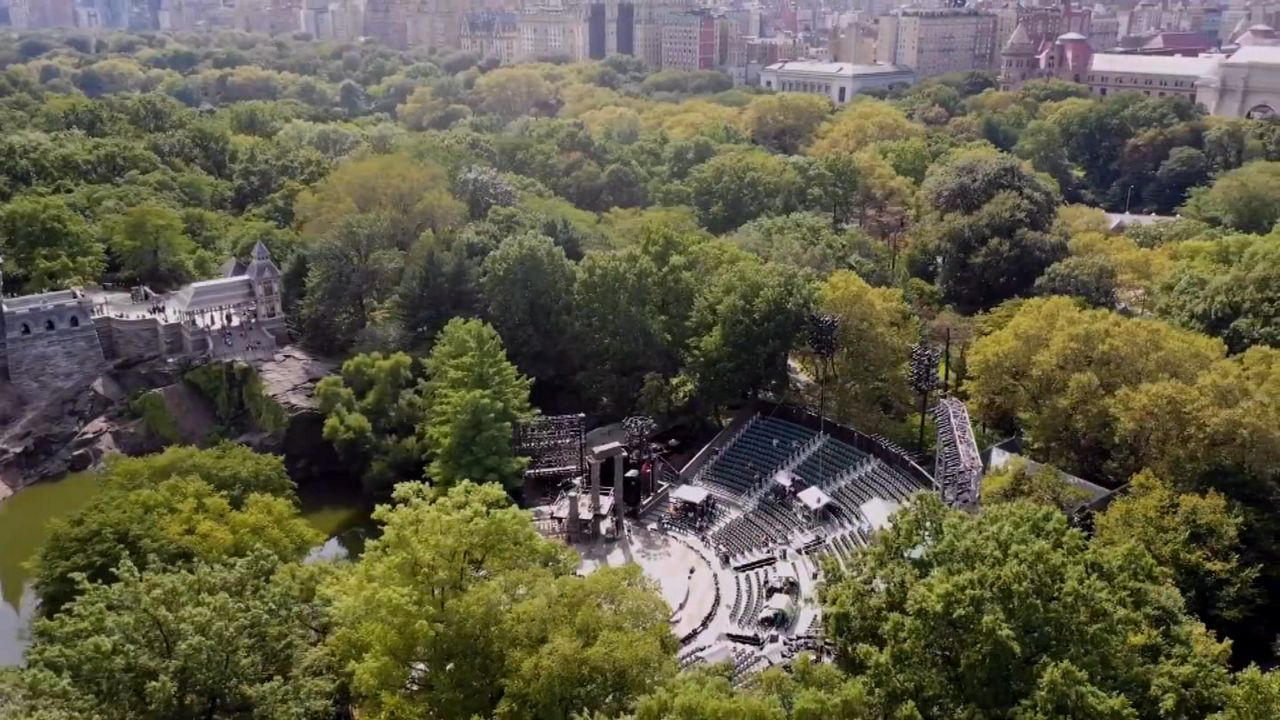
(1197, 537)
(1254, 695)
(221, 641)
(1091, 278)
(739, 186)
(440, 282)
(528, 287)
(473, 397)
(353, 274)
(869, 383)
(807, 240)
(513, 92)
(372, 410)
(1229, 288)
(785, 122)
(993, 236)
(488, 617)
(412, 195)
(151, 244)
(1056, 371)
(1044, 485)
(860, 124)
(175, 521)
(808, 691)
(46, 246)
(747, 320)
(1013, 613)
(1245, 199)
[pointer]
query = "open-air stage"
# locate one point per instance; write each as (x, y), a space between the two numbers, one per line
(667, 560)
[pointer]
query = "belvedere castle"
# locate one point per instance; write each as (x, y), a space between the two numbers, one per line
(56, 339)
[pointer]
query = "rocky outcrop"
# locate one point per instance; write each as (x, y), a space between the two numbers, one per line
(289, 379)
(73, 428)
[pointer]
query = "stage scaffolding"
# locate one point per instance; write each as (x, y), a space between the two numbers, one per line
(958, 468)
(555, 446)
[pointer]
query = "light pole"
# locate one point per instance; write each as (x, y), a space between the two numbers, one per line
(924, 377)
(824, 331)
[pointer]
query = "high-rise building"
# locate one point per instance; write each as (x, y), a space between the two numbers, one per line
(936, 41)
(689, 41)
(547, 33)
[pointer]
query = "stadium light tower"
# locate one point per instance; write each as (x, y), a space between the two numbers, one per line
(639, 429)
(924, 378)
(824, 332)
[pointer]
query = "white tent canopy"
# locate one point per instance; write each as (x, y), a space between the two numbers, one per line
(813, 498)
(690, 494)
(783, 478)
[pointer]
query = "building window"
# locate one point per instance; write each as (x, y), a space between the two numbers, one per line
(768, 84)
(842, 91)
(75, 321)
(1102, 91)
(48, 324)
(26, 329)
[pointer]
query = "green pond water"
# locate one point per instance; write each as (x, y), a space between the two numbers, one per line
(24, 518)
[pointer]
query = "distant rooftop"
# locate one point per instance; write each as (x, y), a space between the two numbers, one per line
(1256, 55)
(817, 66)
(1154, 64)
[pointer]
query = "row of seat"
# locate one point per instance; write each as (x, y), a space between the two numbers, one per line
(830, 459)
(759, 451)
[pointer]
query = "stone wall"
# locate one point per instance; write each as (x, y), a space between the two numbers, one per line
(54, 359)
(134, 338)
(172, 333)
(106, 337)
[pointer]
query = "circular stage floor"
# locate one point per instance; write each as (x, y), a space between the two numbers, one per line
(686, 578)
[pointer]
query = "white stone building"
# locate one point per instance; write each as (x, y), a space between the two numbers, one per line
(837, 81)
(1151, 75)
(1247, 84)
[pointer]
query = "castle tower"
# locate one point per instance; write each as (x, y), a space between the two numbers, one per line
(1018, 61)
(265, 276)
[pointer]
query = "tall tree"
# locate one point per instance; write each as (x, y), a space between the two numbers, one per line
(869, 383)
(175, 522)
(440, 282)
(785, 122)
(1245, 199)
(473, 397)
(739, 186)
(993, 236)
(528, 287)
(412, 195)
(748, 319)
(372, 409)
(151, 244)
(352, 275)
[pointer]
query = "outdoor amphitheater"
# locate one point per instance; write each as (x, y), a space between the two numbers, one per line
(736, 538)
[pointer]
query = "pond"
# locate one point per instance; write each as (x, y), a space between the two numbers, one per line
(340, 513)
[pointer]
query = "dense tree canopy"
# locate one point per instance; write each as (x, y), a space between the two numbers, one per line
(1016, 614)
(476, 243)
(445, 574)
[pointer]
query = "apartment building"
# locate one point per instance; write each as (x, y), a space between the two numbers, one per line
(934, 41)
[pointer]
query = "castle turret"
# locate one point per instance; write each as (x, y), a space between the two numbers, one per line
(1018, 61)
(265, 276)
